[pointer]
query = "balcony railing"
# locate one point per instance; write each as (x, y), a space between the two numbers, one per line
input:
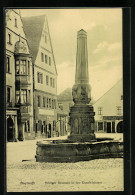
(28, 103)
(23, 79)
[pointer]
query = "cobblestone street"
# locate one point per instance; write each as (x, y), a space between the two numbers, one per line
(24, 174)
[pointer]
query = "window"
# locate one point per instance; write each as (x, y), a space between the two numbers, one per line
(55, 104)
(23, 67)
(8, 64)
(118, 110)
(54, 125)
(15, 22)
(27, 126)
(100, 126)
(45, 39)
(9, 38)
(28, 96)
(47, 80)
(51, 82)
(49, 60)
(43, 101)
(47, 102)
(8, 94)
(100, 110)
(46, 59)
(17, 67)
(28, 67)
(39, 77)
(38, 101)
(60, 106)
(23, 96)
(121, 97)
(42, 57)
(50, 103)
(17, 97)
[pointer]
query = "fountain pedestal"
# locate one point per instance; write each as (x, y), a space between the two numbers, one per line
(82, 123)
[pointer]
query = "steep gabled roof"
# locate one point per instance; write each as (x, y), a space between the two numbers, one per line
(116, 84)
(66, 95)
(33, 27)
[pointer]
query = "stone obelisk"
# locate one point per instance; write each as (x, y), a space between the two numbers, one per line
(81, 114)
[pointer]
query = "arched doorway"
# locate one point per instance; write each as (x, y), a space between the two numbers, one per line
(120, 127)
(10, 130)
(49, 133)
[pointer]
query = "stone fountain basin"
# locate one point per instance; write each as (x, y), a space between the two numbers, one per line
(65, 151)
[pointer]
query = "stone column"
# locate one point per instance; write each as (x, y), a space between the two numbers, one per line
(81, 114)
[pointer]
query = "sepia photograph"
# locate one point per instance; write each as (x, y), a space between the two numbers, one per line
(64, 100)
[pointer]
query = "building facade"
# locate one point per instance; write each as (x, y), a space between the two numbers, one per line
(19, 82)
(109, 110)
(65, 101)
(44, 75)
(62, 126)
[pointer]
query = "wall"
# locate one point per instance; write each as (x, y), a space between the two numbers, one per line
(110, 101)
(16, 33)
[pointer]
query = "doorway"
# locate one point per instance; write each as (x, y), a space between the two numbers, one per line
(109, 127)
(10, 130)
(120, 127)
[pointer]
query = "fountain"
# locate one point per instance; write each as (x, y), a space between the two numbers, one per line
(81, 144)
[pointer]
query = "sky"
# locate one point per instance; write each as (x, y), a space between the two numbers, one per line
(104, 42)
